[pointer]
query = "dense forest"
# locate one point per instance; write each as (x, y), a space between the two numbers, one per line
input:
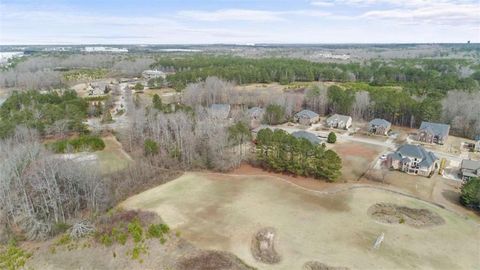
(417, 76)
(281, 152)
(403, 91)
(51, 112)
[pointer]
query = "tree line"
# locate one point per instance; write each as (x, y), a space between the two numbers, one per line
(51, 112)
(417, 76)
(281, 152)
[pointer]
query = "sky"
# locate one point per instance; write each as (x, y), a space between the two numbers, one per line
(238, 22)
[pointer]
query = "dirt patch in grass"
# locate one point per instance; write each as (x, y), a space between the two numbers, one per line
(263, 246)
(357, 158)
(211, 260)
(355, 149)
(313, 265)
(395, 214)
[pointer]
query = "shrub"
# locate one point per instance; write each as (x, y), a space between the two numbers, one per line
(136, 231)
(65, 239)
(157, 230)
(106, 239)
(82, 143)
(332, 137)
(13, 257)
(150, 147)
(138, 87)
(60, 228)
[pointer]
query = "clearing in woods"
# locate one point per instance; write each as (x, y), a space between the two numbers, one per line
(223, 212)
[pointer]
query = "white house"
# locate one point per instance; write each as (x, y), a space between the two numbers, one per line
(153, 74)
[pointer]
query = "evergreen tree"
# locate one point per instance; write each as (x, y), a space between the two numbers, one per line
(274, 114)
(332, 137)
(471, 194)
(157, 102)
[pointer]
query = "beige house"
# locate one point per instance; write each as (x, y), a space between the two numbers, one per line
(339, 121)
(469, 169)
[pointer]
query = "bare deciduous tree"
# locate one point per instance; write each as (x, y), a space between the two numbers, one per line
(38, 189)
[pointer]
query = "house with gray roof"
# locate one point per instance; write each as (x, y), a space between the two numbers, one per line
(413, 159)
(433, 132)
(221, 111)
(306, 117)
(339, 121)
(469, 169)
(256, 115)
(379, 126)
(307, 135)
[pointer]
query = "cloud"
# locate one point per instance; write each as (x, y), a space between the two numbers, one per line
(391, 3)
(322, 3)
(232, 15)
(442, 13)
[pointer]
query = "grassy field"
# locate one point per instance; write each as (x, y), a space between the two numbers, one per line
(356, 158)
(112, 157)
(224, 211)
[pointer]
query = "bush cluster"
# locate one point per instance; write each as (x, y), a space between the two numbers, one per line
(87, 143)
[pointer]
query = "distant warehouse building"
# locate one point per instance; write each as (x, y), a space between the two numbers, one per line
(379, 126)
(306, 117)
(339, 121)
(433, 132)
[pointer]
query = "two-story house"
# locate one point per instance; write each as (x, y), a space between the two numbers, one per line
(413, 159)
(433, 132)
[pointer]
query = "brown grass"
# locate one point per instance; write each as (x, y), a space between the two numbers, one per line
(211, 260)
(313, 265)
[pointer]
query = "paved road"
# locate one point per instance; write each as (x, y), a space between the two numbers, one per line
(120, 121)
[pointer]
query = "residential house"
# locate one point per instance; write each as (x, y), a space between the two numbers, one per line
(413, 159)
(379, 126)
(433, 132)
(339, 121)
(476, 146)
(256, 115)
(98, 88)
(469, 169)
(306, 117)
(220, 111)
(153, 74)
(307, 135)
